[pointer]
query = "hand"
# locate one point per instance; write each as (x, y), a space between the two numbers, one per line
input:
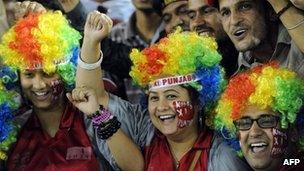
(84, 99)
(68, 5)
(97, 27)
(22, 9)
(298, 3)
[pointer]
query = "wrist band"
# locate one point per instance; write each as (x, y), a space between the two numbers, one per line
(289, 4)
(297, 25)
(88, 66)
(105, 123)
(106, 132)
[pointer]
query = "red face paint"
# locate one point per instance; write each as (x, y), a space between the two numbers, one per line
(185, 113)
(280, 143)
(57, 87)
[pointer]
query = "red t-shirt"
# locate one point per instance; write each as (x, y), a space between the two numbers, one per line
(158, 156)
(69, 150)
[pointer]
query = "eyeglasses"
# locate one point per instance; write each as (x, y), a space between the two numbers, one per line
(264, 121)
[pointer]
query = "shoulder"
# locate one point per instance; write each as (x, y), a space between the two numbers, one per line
(222, 157)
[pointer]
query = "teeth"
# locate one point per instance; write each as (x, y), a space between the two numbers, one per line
(240, 32)
(40, 93)
(203, 33)
(164, 117)
(258, 145)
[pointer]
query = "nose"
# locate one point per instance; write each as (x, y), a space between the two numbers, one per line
(163, 105)
(235, 18)
(255, 130)
(199, 19)
(38, 83)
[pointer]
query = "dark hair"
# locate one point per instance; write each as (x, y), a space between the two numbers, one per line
(158, 6)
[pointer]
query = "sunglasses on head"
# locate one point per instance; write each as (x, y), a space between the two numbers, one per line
(264, 121)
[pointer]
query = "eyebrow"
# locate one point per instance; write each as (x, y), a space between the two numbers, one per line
(236, 4)
(179, 7)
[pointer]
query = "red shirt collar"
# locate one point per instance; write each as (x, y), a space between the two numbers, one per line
(65, 122)
(202, 141)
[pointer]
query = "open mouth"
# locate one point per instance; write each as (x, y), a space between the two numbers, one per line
(240, 32)
(41, 95)
(167, 118)
(203, 30)
(258, 147)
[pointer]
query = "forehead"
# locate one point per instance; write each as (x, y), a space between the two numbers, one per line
(176, 88)
(174, 6)
(254, 111)
(230, 3)
(195, 4)
(38, 71)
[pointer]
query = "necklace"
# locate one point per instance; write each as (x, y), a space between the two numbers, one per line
(176, 160)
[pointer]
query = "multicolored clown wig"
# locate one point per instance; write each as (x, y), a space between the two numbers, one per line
(39, 41)
(265, 86)
(181, 59)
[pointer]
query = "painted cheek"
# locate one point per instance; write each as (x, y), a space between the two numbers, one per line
(185, 113)
(280, 143)
(57, 88)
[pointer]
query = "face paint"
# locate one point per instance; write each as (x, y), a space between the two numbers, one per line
(57, 87)
(184, 112)
(280, 143)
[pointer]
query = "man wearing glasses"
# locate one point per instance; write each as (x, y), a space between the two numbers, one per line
(260, 116)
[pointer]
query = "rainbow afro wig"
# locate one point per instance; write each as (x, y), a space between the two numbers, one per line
(265, 86)
(181, 56)
(42, 41)
(39, 41)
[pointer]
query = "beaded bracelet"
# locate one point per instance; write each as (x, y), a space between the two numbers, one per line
(105, 123)
(109, 130)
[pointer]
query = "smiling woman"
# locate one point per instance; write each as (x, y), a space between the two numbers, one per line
(183, 79)
(39, 54)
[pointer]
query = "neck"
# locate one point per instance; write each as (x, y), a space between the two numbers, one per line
(50, 118)
(147, 24)
(180, 145)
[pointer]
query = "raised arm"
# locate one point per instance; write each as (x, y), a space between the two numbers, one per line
(292, 19)
(97, 27)
(3, 19)
(127, 155)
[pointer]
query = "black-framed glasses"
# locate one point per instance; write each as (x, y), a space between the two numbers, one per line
(264, 121)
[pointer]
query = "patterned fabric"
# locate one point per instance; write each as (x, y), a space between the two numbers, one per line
(126, 33)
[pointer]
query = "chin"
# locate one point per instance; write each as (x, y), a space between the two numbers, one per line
(261, 164)
(168, 131)
(44, 106)
(244, 46)
(247, 45)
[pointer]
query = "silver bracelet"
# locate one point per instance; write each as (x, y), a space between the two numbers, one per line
(88, 66)
(297, 25)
